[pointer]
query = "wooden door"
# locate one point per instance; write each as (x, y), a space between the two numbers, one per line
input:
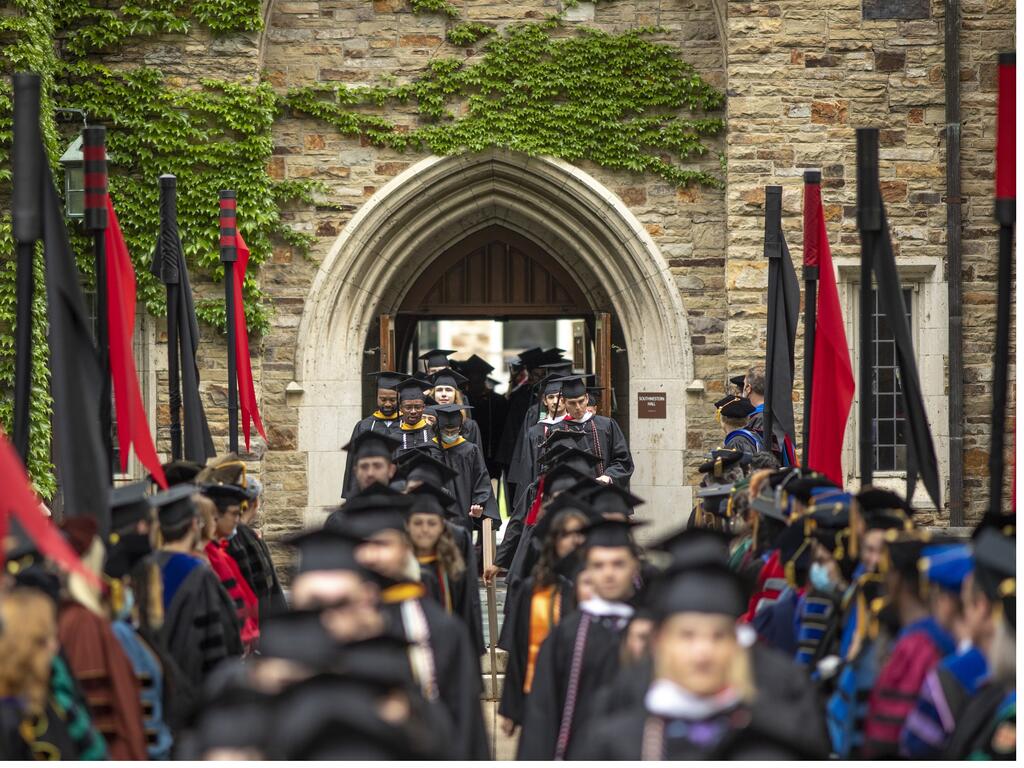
(603, 359)
(387, 342)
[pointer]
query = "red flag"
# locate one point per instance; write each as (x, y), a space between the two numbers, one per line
(832, 383)
(246, 390)
(132, 424)
(19, 500)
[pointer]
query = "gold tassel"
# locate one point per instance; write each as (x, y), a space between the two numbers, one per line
(116, 596)
(155, 603)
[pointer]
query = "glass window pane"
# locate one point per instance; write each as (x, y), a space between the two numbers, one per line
(888, 425)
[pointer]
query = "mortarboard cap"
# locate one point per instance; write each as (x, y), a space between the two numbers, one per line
(421, 463)
(995, 568)
(562, 477)
(612, 499)
(734, 408)
(577, 458)
(738, 381)
(530, 358)
(374, 509)
(574, 386)
(238, 717)
(709, 588)
(474, 364)
(903, 550)
(325, 549)
(946, 565)
(128, 505)
(430, 499)
(371, 443)
(873, 499)
(382, 660)
(722, 459)
(695, 545)
(299, 636)
(412, 389)
(226, 468)
(174, 506)
(389, 379)
(611, 533)
(550, 385)
(448, 415)
(436, 358)
(447, 377)
(180, 471)
(714, 499)
(224, 495)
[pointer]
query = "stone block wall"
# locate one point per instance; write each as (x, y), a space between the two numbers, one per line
(802, 77)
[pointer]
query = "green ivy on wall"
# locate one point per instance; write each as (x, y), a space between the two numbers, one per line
(213, 137)
(615, 99)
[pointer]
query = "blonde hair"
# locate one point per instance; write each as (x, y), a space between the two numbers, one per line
(27, 645)
(208, 515)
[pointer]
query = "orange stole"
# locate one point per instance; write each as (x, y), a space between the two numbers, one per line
(545, 607)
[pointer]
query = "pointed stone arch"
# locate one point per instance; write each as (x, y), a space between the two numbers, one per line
(436, 204)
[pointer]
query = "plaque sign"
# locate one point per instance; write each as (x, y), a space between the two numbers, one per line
(651, 405)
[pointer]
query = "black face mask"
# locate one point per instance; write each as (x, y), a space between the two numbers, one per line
(123, 556)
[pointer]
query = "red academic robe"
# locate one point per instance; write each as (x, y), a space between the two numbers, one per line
(107, 679)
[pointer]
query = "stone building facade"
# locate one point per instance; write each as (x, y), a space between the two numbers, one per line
(799, 78)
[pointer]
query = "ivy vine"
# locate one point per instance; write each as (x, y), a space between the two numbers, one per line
(615, 99)
(468, 33)
(213, 137)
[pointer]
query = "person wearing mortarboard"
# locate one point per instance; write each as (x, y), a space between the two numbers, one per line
(581, 654)
(987, 726)
(219, 505)
(252, 554)
(444, 659)
(520, 397)
(201, 627)
(946, 573)
(370, 460)
(93, 652)
(540, 602)
(414, 429)
(873, 512)
(522, 469)
(435, 359)
(490, 409)
(920, 641)
(733, 413)
(605, 438)
(471, 485)
(447, 571)
(446, 389)
(137, 616)
(386, 419)
(705, 699)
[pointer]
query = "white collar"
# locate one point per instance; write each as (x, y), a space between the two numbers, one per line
(600, 607)
(548, 420)
(586, 418)
(666, 699)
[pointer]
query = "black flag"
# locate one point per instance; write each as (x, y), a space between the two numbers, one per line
(182, 334)
(75, 376)
(783, 314)
(920, 448)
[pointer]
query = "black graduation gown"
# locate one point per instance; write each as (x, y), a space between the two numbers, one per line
(750, 733)
(514, 526)
(413, 438)
(456, 674)
(465, 591)
(523, 469)
(546, 702)
(200, 626)
(605, 439)
(257, 567)
(977, 724)
(369, 424)
(515, 639)
(489, 411)
(519, 401)
(472, 485)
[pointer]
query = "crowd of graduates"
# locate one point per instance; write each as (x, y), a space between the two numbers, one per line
(785, 619)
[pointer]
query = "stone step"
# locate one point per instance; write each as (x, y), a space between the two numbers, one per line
(501, 660)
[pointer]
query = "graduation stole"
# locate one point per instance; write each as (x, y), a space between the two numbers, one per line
(545, 612)
(381, 417)
(442, 579)
(418, 425)
(399, 593)
(573, 689)
(531, 518)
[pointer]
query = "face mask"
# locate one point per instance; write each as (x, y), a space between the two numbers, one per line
(820, 578)
(449, 439)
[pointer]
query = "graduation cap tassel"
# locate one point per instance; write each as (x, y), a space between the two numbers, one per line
(1005, 213)
(26, 226)
(94, 152)
(869, 222)
(228, 257)
(811, 248)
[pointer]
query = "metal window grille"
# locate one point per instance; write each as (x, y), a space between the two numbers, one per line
(889, 422)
